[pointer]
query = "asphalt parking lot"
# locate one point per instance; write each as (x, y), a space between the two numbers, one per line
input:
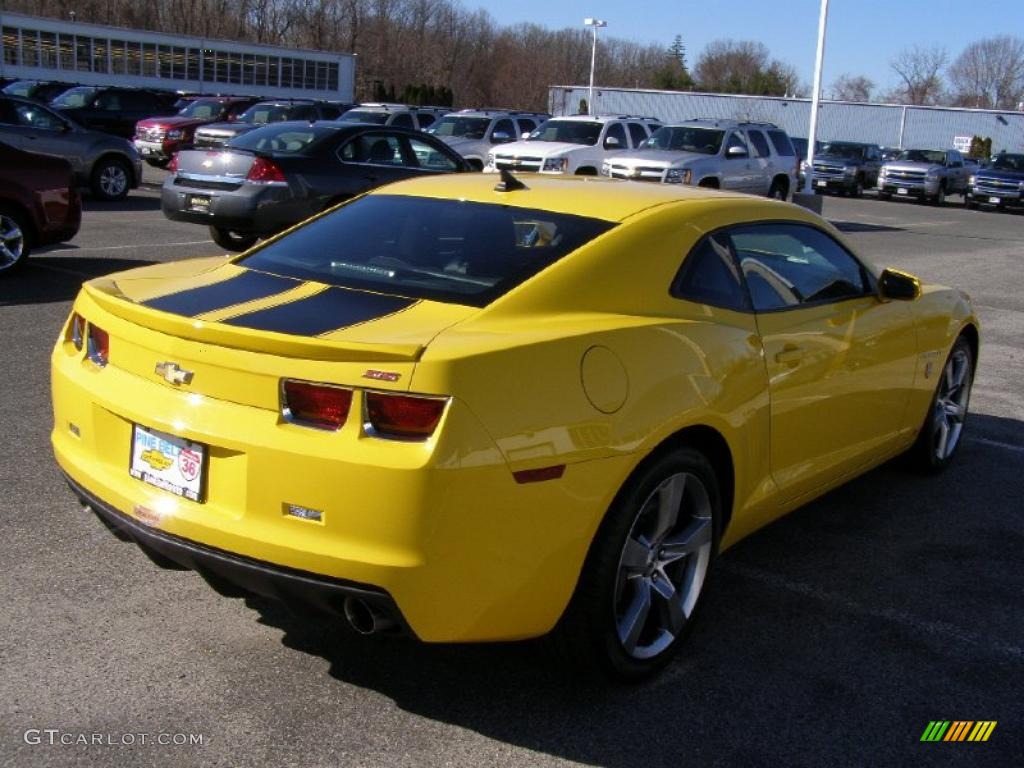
(832, 637)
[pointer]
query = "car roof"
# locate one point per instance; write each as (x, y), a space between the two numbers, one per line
(594, 197)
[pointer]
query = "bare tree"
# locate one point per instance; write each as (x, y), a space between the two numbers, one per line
(990, 73)
(743, 66)
(852, 88)
(920, 70)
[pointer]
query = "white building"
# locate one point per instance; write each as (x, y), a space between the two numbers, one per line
(36, 48)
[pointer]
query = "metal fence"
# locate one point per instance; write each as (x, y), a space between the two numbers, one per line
(890, 125)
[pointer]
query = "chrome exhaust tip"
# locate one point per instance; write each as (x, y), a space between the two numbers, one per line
(364, 618)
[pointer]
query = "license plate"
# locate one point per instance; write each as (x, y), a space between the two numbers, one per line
(901, 191)
(171, 463)
(198, 203)
(994, 200)
(822, 183)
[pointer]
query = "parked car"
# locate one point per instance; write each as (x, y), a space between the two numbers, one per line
(113, 110)
(39, 204)
(890, 153)
(472, 132)
(40, 90)
(273, 177)
(757, 158)
(846, 167)
(1000, 185)
(800, 147)
(398, 115)
(577, 144)
(262, 113)
(472, 411)
(158, 138)
(925, 174)
(108, 165)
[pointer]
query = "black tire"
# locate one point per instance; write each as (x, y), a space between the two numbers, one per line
(589, 633)
(231, 239)
(111, 179)
(779, 190)
(158, 163)
(15, 239)
(475, 164)
(709, 183)
(939, 199)
(886, 196)
(929, 454)
(858, 187)
(586, 171)
(970, 204)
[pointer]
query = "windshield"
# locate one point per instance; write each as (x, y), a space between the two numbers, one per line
(931, 156)
(286, 137)
(264, 113)
(20, 87)
(706, 141)
(204, 109)
(364, 116)
(443, 250)
(843, 149)
(1005, 162)
(570, 131)
(462, 127)
(74, 97)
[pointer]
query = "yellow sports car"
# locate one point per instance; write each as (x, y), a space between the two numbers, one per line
(478, 412)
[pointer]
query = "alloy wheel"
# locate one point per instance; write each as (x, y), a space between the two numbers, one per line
(662, 565)
(113, 180)
(951, 403)
(12, 242)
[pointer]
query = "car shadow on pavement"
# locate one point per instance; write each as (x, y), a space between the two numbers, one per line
(887, 603)
(134, 202)
(49, 278)
(860, 226)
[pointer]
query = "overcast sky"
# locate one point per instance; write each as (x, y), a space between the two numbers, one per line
(863, 35)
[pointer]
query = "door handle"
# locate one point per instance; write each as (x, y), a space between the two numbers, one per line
(789, 354)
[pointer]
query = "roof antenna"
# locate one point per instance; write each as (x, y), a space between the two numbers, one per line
(508, 183)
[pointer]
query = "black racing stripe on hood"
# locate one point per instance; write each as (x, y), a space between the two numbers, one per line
(248, 286)
(326, 311)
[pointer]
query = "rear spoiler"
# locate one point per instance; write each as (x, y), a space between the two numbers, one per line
(104, 293)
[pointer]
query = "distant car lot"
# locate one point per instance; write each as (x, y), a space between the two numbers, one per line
(837, 633)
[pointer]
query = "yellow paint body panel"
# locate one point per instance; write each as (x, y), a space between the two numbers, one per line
(583, 365)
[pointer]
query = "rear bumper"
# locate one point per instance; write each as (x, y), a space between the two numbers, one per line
(261, 210)
(291, 586)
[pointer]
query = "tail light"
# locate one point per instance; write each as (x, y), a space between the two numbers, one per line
(316, 405)
(76, 331)
(403, 416)
(99, 345)
(172, 166)
(264, 170)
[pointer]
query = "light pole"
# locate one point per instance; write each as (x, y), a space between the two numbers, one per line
(593, 24)
(815, 96)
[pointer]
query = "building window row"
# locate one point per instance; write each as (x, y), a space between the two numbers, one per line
(77, 53)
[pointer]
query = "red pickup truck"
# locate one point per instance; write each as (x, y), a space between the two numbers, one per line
(158, 138)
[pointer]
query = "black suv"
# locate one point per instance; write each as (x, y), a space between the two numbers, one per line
(845, 167)
(271, 111)
(113, 110)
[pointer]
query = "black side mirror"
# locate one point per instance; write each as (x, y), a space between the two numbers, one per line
(899, 286)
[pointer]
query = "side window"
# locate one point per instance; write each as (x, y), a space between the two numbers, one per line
(374, 148)
(428, 157)
(402, 120)
(616, 131)
(760, 145)
(787, 265)
(329, 112)
(37, 117)
(710, 275)
(637, 134)
(303, 113)
(736, 140)
(504, 126)
(425, 119)
(525, 125)
(783, 146)
(108, 102)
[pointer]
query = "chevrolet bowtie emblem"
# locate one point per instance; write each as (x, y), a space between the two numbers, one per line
(173, 374)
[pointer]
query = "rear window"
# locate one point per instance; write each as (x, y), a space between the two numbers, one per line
(280, 138)
(444, 250)
(782, 144)
(364, 116)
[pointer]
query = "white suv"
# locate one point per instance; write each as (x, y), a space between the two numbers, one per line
(399, 115)
(472, 132)
(725, 154)
(576, 144)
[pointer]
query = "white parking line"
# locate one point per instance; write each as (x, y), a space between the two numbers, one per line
(997, 444)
